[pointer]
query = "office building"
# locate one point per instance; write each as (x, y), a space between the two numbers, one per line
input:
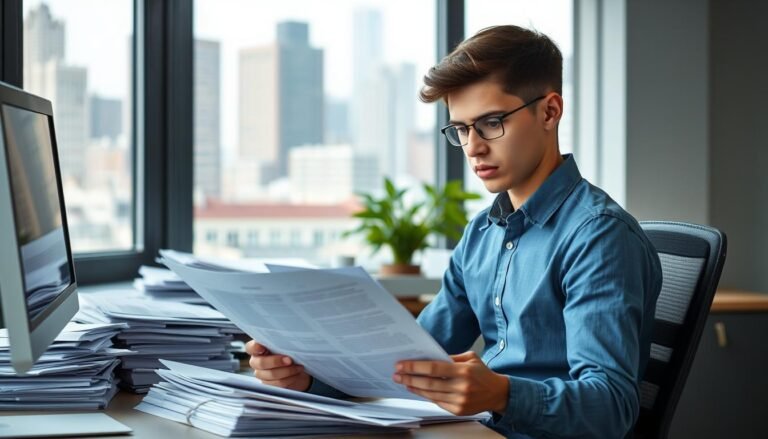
(106, 118)
(47, 74)
(44, 40)
(281, 103)
(329, 174)
(264, 230)
(207, 114)
(384, 98)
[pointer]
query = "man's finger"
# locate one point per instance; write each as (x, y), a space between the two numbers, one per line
(285, 382)
(437, 397)
(265, 362)
(453, 408)
(428, 368)
(279, 373)
(429, 383)
(253, 348)
(463, 357)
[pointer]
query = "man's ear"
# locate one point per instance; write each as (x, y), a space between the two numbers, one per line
(552, 107)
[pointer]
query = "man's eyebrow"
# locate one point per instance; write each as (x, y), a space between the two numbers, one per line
(486, 114)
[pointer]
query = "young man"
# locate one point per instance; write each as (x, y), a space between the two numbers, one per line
(559, 280)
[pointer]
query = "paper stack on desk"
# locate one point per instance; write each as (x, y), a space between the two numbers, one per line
(193, 334)
(228, 404)
(76, 372)
(163, 284)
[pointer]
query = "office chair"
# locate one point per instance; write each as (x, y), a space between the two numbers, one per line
(692, 258)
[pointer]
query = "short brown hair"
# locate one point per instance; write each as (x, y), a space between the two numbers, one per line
(526, 63)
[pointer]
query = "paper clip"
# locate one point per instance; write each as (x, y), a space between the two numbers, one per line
(192, 411)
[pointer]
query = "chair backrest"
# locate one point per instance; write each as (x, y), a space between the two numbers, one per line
(692, 258)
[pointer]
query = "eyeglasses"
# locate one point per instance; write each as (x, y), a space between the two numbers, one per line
(488, 127)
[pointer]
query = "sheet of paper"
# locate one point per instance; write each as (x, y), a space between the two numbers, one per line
(340, 324)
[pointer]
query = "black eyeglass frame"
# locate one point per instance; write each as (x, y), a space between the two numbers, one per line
(500, 117)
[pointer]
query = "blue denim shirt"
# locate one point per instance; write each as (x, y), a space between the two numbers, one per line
(563, 291)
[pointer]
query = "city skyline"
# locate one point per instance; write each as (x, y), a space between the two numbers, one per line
(109, 74)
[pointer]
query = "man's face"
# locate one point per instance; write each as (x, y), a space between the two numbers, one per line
(508, 161)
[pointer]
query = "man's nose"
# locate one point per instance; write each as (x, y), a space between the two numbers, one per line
(476, 145)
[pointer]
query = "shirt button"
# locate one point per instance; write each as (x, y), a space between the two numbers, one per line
(510, 245)
(501, 345)
(497, 301)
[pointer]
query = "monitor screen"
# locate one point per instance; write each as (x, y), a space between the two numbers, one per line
(43, 248)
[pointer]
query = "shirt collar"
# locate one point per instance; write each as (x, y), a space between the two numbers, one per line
(545, 201)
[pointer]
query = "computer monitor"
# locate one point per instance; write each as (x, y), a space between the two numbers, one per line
(38, 290)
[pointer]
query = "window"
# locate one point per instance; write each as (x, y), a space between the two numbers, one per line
(274, 238)
(295, 238)
(553, 18)
(318, 238)
(299, 106)
(78, 54)
(253, 238)
(233, 238)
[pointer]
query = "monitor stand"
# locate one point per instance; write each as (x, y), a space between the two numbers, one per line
(61, 425)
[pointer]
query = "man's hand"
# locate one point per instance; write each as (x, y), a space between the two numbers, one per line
(464, 387)
(276, 370)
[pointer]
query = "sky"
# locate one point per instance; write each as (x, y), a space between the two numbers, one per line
(97, 35)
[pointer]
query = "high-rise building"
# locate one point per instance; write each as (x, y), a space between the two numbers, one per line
(47, 75)
(65, 86)
(403, 115)
(387, 123)
(106, 118)
(367, 61)
(367, 46)
(336, 121)
(43, 40)
(207, 118)
(128, 105)
(281, 98)
(329, 174)
(383, 104)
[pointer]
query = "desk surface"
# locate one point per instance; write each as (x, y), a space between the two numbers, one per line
(739, 301)
(148, 426)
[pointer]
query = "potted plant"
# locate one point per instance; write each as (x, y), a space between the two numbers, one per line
(405, 229)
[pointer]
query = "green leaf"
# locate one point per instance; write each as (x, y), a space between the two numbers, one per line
(390, 187)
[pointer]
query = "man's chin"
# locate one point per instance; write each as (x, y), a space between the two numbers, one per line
(495, 186)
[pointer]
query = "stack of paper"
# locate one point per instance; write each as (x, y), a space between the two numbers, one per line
(163, 284)
(194, 334)
(76, 372)
(236, 405)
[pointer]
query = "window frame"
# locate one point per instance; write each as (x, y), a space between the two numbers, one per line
(450, 160)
